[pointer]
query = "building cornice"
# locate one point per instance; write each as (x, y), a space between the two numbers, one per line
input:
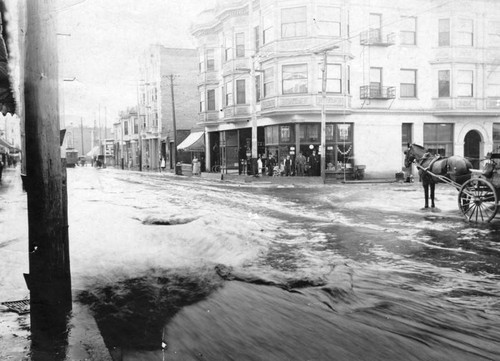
(219, 16)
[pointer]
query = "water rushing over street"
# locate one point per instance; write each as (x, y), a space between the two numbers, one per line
(265, 272)
(259, 271)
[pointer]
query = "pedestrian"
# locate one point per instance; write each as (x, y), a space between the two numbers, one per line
(270, 165)
(287, 162)
(314, 162)
(300, 163)
(1, 167)
(259, 166)
(196, 166)
(162, 164)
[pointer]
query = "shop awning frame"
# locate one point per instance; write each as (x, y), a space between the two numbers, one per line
(195, 142)
(5, 144)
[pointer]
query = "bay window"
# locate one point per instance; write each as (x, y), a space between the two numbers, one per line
(294, 79)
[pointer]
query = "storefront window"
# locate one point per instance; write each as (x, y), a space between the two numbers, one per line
(329, 132)
(272, 135)
(438, 138)
(285, 133)
(339, 146)
(309, 133)
(496, 137)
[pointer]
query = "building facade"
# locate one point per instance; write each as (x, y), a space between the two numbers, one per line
(423, 71)
(127, 141)
(163, 70)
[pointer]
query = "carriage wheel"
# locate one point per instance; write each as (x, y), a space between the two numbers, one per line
(477, 200)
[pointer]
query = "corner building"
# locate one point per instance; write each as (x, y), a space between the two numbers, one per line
(421, 71)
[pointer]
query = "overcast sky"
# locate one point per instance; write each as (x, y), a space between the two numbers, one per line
(106, 39)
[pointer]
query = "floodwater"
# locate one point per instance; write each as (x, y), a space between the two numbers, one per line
(258, 271)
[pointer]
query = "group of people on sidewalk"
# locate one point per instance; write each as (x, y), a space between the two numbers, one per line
(300, 166)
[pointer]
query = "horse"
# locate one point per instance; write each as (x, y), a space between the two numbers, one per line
(454, 167)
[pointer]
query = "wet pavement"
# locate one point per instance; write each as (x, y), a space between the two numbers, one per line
(269, 270)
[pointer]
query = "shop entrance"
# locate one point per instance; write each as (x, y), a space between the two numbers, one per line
(472, 147)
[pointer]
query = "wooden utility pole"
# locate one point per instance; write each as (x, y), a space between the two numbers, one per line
(81, 135)
(174, 125)
(49, 278)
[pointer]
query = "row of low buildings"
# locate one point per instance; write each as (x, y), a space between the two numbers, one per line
(422, 71)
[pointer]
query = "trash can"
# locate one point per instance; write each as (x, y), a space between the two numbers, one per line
(178, 168)
(187, 169)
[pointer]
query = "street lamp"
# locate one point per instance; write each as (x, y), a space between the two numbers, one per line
(324, 51)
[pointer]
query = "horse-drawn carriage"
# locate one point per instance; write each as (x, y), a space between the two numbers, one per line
(478, 190)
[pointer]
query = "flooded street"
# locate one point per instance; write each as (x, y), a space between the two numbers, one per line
(260, 271)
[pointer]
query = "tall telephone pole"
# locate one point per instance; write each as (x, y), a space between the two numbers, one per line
(174, 125)
(81, 134)
(49, 279)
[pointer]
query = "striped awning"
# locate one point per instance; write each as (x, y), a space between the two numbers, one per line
(195, 142)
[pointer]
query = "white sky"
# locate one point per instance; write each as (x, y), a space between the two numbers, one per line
(107, 39)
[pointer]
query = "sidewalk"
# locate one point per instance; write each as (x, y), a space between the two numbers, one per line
(264, 179)
(84, 339)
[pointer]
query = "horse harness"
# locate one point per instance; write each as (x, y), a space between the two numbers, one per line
(421, 161)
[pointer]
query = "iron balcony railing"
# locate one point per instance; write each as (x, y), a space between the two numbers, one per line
(375, 37)
(377, 92)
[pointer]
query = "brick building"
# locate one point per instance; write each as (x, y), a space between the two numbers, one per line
(160, 66)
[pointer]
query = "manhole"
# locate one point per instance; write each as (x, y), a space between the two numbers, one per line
(21, 307)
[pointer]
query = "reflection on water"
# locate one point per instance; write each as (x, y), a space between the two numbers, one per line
(131, 312)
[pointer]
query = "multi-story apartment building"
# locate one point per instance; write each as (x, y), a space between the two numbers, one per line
(163, 69)
(422, 71)
(127, 140)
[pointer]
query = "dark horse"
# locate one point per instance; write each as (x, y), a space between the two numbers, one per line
(455, 168)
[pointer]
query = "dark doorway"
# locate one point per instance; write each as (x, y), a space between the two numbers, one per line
(215, 155)
(472, 144)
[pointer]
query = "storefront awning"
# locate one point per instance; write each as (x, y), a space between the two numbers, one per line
(4, 143)
(93, 152)
(195, 142)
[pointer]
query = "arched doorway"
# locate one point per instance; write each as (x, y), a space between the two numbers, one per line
(472, 146)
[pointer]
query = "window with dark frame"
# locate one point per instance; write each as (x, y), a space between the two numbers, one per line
(210, 60)
(465, 83)
(444, 32)
(257, 88)
(406, 134)
(294, 79)
(328, 21)
(228, 48)
(408, 33)
(493, 33)
(493, 84)
(443, 83)
(240, 45)
(256, 34)
(294, 22)
(333, 79)
(268, 82)
(496, 137)
(438, 138)
(240, 91)
(408, 85)
(211, 99)
(229, 93)
(465, 32)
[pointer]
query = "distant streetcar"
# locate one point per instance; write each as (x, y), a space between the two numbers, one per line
(71, 158)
